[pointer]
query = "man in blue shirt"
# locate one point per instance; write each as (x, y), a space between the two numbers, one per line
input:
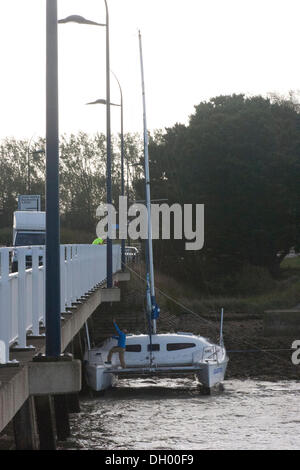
(120, 348)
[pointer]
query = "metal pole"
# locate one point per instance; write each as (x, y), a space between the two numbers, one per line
(108, 160)
(53, 334)
(122, 166)
(221, 328)
(28, 173)
(148, 195)
(122, 178)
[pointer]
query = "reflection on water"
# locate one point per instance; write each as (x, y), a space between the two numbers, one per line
(171, 414)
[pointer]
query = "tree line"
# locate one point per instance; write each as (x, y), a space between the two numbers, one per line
(82, 176)
(238, 155)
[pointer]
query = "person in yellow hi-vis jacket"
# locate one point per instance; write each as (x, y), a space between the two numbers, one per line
(98, 241)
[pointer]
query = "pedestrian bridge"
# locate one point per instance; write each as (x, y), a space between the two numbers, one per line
(31, 384)
(22, 293)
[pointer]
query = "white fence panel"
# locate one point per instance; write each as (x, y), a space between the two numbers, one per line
(13, 294)
(22, 294)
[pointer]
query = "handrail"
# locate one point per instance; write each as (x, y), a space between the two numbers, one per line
(22, 293)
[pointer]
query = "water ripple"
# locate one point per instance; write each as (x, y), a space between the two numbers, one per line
(171, 414)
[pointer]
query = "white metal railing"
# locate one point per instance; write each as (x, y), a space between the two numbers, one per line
(22, 293)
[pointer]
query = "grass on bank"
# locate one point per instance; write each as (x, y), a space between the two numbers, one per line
(291, 264)
(267, 295)
(285, 296)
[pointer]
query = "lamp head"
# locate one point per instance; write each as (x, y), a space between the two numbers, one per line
(101, 101)
(80, 20)
(97, 102)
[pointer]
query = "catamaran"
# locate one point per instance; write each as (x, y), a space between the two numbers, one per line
(154, 354)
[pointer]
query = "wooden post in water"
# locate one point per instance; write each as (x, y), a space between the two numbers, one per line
(61, 417)
(73, 403)
(45, 422)
(72, 398)
(24, 426)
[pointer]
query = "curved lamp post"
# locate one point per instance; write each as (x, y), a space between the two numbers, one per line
(53, 318)
(82, 20)
(102, 101)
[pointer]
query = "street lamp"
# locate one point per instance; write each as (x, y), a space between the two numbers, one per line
(53, 330)
(82, 20)
(101, 101)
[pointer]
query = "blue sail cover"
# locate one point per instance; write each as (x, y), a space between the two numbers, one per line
(155, 311)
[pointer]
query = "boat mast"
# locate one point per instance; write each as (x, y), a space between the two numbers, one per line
(221, 328)
(151, 302)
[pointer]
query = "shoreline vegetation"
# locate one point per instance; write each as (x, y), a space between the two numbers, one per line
(243, 324)
(267, 293)
(243, 321)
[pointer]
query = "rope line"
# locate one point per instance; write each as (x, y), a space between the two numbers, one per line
(256, 349)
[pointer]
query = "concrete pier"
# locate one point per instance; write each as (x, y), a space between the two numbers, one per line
(45, 422)
(30, 377)
(62, 417)
(25, 430)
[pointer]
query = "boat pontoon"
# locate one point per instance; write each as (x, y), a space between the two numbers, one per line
(173, 355)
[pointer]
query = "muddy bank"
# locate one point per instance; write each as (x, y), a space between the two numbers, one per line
(241, 332)
(244, 332)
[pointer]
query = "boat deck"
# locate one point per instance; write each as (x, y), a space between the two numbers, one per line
(154, 371)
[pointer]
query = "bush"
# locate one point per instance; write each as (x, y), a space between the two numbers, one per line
(248, 280)
(69, 236)
(254, 280)
(273, 294)
(6, 236)
(285, 295)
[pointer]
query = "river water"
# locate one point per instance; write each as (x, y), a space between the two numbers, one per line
(171, 414)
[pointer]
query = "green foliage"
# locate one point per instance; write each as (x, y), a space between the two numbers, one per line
(69, 236)
(248, 280)
(284, 296)
(6, 236)
(255, 296)
(16, 157)
(291, 263)
(82, 178)
(241, 158)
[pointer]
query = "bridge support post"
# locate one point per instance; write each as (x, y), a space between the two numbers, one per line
(77, 346)
(73, 403)
(45, 422)
(24, 426)
(61, 417)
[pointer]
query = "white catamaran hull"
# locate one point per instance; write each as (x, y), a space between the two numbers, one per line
(98, 379)
(172, 355)
(212, 374)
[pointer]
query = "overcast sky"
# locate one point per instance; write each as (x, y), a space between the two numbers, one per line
(193, 50)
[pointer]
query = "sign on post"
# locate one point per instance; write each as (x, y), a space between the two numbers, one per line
(29, 203)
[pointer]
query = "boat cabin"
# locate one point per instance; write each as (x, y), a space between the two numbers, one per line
(182, 349)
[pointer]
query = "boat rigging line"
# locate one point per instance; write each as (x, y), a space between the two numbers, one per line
(255, 349)
(152, 307)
